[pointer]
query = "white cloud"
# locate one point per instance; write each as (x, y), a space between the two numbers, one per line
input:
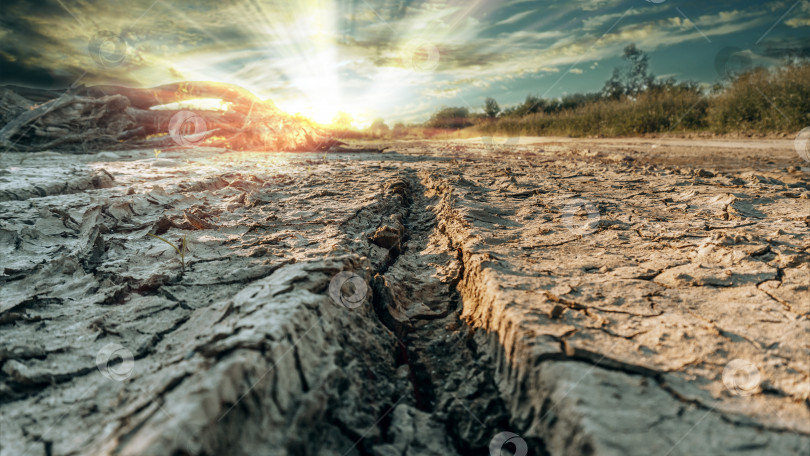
(605, 20)
(798, 22)
(517, 17)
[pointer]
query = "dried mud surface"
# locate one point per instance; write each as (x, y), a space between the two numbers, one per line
(618, 297)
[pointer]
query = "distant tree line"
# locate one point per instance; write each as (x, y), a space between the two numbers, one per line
(634, 101)
(625, 82)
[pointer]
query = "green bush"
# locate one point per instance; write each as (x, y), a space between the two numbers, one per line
(451, 118)
(760, 101)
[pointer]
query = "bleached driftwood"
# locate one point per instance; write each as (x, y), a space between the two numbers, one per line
(90, 118)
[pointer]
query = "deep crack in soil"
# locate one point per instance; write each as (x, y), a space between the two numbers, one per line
(451, 380)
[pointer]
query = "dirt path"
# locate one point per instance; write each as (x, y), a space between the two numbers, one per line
(591, 297)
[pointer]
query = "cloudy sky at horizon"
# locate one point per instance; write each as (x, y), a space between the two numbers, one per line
(396, 59)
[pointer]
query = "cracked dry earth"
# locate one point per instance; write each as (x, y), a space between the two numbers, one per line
(593, 298)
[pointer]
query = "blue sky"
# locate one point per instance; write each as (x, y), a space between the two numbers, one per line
(396, 59)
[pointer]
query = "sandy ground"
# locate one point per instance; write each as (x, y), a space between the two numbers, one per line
(623, 296)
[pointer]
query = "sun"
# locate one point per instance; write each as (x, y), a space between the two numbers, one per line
(334, 114)
(323, 115)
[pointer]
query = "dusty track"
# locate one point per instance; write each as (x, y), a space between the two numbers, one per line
(585, 295)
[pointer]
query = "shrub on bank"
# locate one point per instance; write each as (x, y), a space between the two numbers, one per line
(760, 101)
(763, 101)
(663, 109)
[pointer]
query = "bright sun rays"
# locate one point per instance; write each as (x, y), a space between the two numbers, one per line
(304, 55)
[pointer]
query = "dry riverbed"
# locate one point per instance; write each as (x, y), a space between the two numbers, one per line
(613, 297)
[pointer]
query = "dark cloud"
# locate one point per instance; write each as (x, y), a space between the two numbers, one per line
(27, 55)
(16, 73)
(798, 47)
(18, 8)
